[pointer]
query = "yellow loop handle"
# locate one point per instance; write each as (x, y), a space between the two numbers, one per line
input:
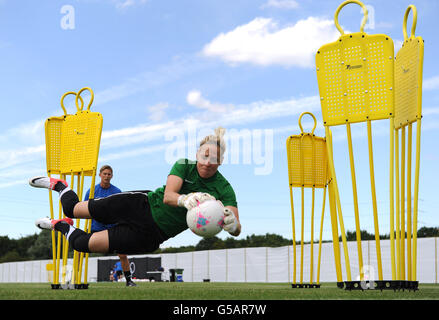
(78, 95)
(65, 95)
(300, 120)
(363, 22)
(404, 25)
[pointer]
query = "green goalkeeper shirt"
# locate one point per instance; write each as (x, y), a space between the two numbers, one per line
(172, 220)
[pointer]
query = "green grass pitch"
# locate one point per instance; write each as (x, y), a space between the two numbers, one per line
(207, 291)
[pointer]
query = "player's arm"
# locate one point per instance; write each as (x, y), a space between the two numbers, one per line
(231, 221)
(172, 197)
(173, 186)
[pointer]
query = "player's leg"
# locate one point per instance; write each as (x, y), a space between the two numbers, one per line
(80, 210)
(134, 233)
(120, 238)
(124, 262)
(80, 240)
(72, 207)
(126, 269)
(99, 242)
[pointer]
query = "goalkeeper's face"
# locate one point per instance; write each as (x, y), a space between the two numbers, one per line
(207, 160)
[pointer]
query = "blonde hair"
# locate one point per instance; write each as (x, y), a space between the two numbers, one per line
(216, 139)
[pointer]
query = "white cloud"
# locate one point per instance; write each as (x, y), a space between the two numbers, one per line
(12, 157)
(132, 153)
(133, 135)
(384, 25)
(431, 83)
(430, 111)
(13, 183)
(269, 109)
(122, 4)
(131, 131)
(237, 115)
(20, 157)
(16, 165)
(158, 111)
(281, 4)
(263, 42)
(194, 98)
(30, 132)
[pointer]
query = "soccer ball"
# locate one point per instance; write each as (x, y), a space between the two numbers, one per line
(206, 219)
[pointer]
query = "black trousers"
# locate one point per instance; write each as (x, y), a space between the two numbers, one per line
(135, 231)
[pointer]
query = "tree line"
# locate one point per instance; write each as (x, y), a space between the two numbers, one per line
(39, 246)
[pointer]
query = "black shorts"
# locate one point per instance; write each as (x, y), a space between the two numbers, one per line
(135, 231)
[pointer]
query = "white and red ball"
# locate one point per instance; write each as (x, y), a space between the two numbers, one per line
(206, 219)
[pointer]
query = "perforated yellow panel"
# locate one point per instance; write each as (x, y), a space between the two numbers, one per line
(408, 82)
(53, 127)
(355, 78)
(307, 167)
(81, 134)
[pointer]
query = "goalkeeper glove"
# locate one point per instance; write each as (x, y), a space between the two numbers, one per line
(230, 221)
(190, 200)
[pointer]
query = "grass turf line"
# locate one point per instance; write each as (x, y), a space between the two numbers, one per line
(207, 291)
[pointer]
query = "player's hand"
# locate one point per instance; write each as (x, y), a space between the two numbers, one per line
(191, 200)
(230, 221)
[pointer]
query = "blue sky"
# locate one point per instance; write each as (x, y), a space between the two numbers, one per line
(167, 69)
